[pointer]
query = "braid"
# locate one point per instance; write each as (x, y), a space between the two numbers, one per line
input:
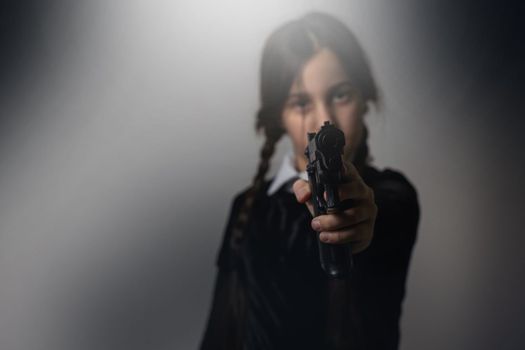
(362, 157)
(273, 133)
(266, 154)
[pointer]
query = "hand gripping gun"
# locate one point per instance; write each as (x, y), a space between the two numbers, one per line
(325, 174)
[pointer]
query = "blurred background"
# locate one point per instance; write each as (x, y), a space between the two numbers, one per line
(126, 128)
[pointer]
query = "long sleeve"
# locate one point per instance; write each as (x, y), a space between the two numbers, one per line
(343, 324)
(364, 312)
(274, 294)
(223, 328)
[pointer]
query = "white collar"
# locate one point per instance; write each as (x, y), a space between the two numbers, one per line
(286, 173)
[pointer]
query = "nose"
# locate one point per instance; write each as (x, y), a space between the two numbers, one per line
(322, 114)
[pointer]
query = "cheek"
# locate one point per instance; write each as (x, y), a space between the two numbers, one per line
(349, 121)
(294, 129)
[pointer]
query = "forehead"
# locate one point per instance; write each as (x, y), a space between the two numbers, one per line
(319, 73)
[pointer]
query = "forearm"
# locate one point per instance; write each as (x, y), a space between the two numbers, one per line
(343, 323)
(222, 328)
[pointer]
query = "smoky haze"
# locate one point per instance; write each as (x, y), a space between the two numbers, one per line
(127, 128)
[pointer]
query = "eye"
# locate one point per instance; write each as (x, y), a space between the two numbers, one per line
(342, 96)
(300, 104)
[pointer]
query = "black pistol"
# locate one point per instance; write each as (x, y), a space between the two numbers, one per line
(325, 174)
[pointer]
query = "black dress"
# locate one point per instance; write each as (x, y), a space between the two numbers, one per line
(287, 300)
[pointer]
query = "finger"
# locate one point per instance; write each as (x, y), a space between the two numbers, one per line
(310, 206)
(337, 221)
(350, 172)
(354, 189)
(347, 235)
(353, 185)
(359, 246)
(303, 194)
(301, 189)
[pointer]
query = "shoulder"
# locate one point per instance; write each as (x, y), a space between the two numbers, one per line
(390, 185)
(226, 258)
(398, 209)
(395, 196)
(240, 195)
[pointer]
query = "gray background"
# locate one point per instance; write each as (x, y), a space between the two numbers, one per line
(127, 128)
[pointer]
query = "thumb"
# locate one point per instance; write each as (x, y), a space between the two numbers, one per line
(303, 194)
(301, 189)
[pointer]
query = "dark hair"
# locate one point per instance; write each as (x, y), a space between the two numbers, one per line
(285, 52)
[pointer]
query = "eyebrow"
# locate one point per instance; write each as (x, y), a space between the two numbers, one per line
(297, 95)
(331, 89)
(339, 85)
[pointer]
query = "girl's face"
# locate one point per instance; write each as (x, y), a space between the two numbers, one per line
(322, 92)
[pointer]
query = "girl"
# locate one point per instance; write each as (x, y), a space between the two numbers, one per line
(270, 291)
